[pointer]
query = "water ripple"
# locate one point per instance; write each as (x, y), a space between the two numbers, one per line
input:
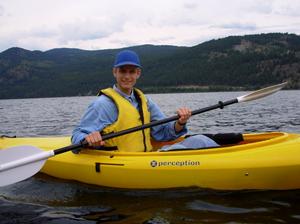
(199, 205)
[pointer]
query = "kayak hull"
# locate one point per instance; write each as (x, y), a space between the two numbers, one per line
(262, 161)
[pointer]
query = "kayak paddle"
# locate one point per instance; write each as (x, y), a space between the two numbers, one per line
(21, 162)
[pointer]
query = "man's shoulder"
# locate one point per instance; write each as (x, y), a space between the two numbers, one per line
(103, 100)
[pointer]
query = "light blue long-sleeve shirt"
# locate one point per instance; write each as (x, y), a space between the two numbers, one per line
(103, 112)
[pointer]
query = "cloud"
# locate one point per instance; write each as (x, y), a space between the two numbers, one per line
(287, 8)
(258, 7)
(238, 26)
(190, 5)
(1, 10)
(88, 29)
(94, 24)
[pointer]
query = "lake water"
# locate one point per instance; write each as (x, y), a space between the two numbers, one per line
(43, 199)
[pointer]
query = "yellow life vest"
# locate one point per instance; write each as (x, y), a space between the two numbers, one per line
(128, 117)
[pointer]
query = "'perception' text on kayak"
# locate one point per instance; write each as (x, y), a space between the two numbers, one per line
(155, 163)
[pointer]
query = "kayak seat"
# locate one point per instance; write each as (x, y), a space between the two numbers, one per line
(226, 138)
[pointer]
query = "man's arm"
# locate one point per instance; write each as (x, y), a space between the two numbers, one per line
(168, 131)
(101, 113)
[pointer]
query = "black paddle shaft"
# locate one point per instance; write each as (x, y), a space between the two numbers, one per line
(220, 105)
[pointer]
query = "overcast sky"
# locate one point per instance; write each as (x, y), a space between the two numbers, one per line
(103, 24)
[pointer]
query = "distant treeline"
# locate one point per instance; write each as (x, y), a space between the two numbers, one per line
(227, 64)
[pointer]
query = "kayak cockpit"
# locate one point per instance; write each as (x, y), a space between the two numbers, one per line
(228, 139)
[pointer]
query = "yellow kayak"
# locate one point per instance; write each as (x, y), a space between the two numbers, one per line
(260, 161)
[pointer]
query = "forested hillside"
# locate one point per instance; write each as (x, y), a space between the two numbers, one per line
(232, 63)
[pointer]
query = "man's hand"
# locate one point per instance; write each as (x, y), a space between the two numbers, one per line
(184, 114)
(94, 139)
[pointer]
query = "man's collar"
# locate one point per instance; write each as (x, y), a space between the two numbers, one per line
(123, 94)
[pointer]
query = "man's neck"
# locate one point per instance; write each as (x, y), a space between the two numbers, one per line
(125, 91)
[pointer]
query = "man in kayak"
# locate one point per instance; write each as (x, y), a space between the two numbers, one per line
(123, 106)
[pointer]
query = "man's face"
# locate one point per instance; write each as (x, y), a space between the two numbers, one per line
(126, 77)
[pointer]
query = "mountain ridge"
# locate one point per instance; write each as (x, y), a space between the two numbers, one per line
(231, 63)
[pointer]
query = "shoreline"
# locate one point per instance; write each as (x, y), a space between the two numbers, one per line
(164, 90)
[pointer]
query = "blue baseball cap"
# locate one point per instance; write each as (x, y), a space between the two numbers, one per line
(127, 57)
